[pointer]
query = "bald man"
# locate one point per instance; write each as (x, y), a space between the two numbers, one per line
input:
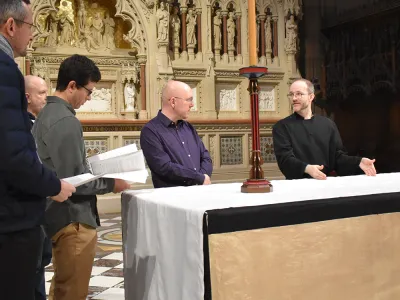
(36, 95)
(173, 150)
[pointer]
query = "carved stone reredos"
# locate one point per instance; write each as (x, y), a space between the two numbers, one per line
(133, 11)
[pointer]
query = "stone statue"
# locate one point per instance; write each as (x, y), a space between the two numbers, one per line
(52, 28)
(162, 23)
(217, 29)
(268, 33)
(291, 34)
(67, 29)
(87, 40)
(129, 95)
(175, 24)
(191, 25)
(109, 29)
(231, 28)
(97, 29)
(81, 17)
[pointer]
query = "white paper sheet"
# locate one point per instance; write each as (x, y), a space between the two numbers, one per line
(114, 153)
(81, 179)
(126, 163)
(130, 162)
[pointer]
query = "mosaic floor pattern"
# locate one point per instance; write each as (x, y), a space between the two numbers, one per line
(107, 281)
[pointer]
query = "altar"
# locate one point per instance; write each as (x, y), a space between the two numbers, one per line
(308, 239)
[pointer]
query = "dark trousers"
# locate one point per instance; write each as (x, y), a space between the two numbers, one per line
(43, 260)
(19, 253)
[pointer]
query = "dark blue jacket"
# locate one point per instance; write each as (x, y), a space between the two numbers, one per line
(24, 181)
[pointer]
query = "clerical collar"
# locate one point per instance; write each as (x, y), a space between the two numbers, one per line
(299, 117)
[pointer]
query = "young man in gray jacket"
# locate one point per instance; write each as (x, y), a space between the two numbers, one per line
(59, 137)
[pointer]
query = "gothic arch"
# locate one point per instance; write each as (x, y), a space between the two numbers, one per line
(128, 11)
(263, 5)
(224, 4)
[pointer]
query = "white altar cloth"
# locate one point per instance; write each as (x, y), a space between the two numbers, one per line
(162, 228)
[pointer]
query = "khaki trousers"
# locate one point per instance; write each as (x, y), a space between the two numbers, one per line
(74, 249)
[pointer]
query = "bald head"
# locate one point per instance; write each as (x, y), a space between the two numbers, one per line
(32, 81)
(36, 93)
(177, 100)
(173, 89)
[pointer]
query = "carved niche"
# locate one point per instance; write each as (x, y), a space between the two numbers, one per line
(110, 33)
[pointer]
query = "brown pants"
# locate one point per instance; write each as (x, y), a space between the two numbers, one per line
(74, 249)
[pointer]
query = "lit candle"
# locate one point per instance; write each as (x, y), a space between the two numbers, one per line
(252, 33)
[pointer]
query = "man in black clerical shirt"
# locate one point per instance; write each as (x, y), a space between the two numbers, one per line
(173, 150)
(308, 145)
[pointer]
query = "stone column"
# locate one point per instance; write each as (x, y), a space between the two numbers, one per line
(262, 42)
(199, 55)
(143, 115)
(239, 34)
(276, 39)
(224, 15)
(184, 53)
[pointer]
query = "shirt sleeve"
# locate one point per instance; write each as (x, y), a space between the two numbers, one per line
(206, 166)
(345, 165)
(290, 166)
(160, 163)
(20, 165)
(65, 146)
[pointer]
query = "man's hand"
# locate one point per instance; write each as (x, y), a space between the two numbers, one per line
(66, 191)
(120, 185)
(207, 179)
(315, 172)
(367, 165)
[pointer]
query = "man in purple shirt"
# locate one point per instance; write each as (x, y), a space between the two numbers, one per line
(172, 148)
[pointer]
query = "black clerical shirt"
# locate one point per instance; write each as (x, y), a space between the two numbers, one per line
(174, 152)
(316, 141)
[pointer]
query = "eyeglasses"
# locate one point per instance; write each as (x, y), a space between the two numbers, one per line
(187, 100)
(89, 92)
(20, 21)
(31, 24)
(297, 95)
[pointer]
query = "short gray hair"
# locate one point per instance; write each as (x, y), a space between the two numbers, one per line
(13, 9)
(310, 85)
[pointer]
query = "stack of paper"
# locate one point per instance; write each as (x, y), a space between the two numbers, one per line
(125, 163)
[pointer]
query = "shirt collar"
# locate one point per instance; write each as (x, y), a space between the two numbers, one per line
(6, 46)
(55, 99)
(31, 116)
(298, 117)
(166, 121)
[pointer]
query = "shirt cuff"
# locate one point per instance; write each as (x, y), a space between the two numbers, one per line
(200, 179)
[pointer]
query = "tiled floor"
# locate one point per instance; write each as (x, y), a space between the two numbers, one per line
(107, 280)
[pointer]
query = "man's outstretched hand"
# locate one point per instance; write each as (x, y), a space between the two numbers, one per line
(367, 165)
(315, 171)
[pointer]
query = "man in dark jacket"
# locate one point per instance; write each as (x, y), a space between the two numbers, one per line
(24, 181)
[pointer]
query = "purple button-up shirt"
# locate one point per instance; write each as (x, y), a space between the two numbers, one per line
(174, 153)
